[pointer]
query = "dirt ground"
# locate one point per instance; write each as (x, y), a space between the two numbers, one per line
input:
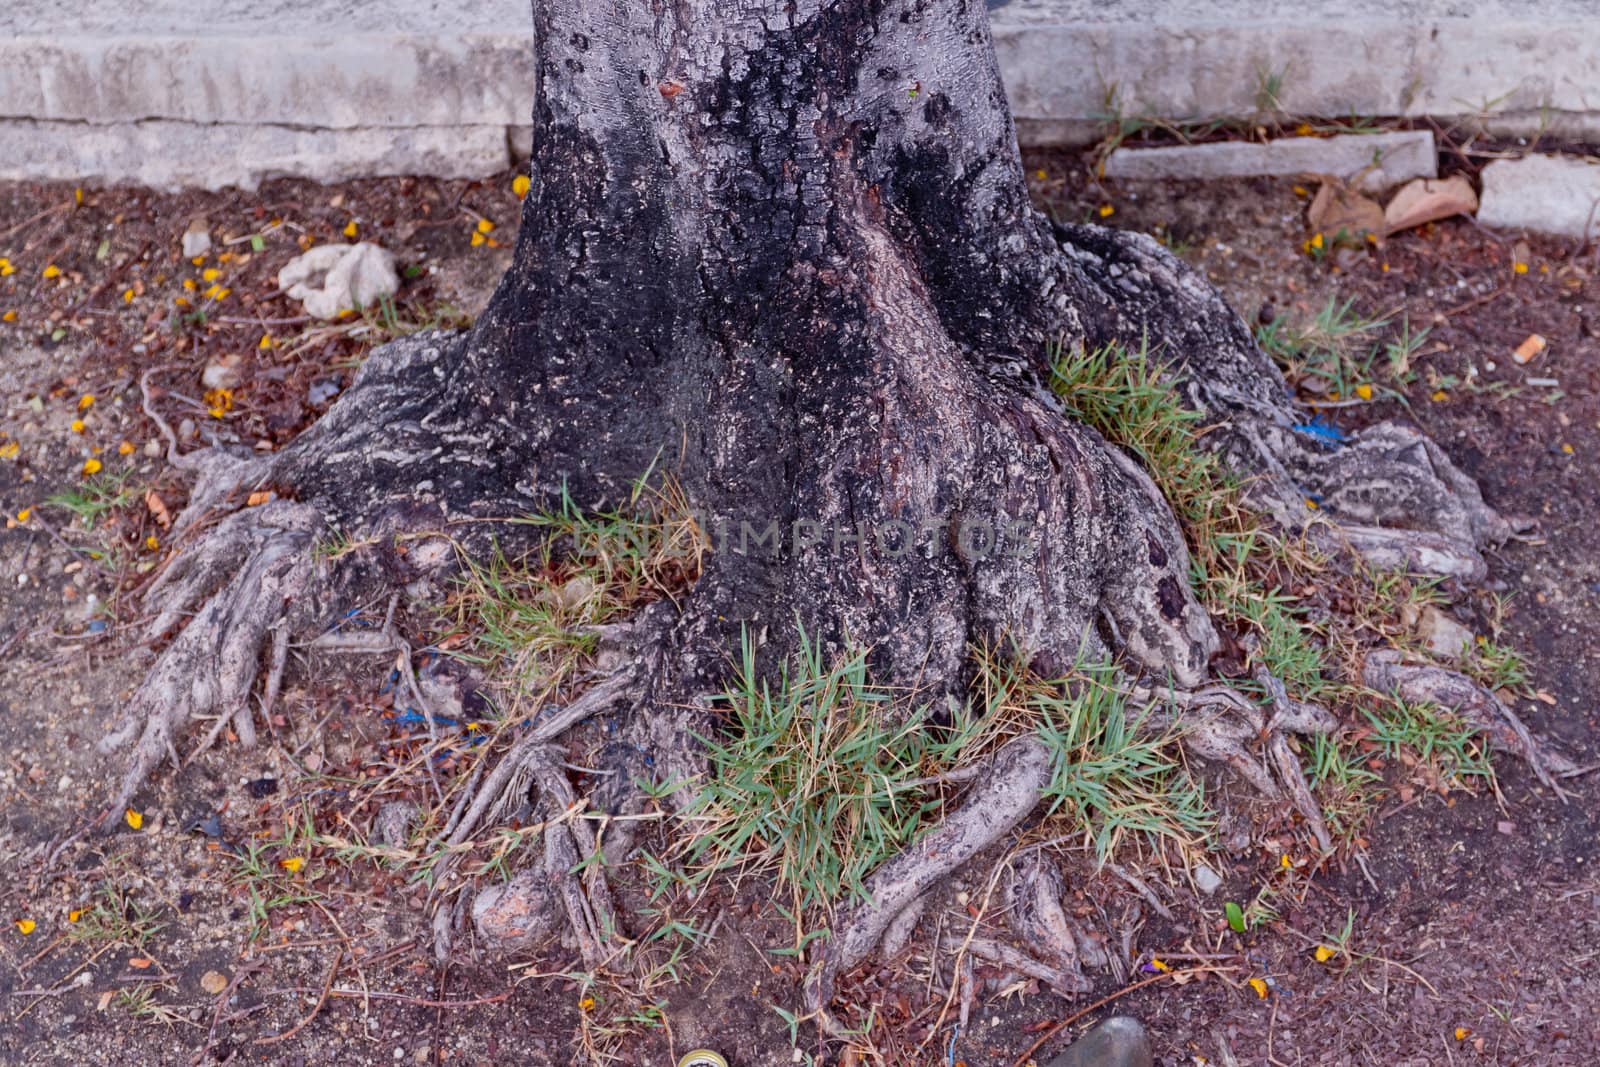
(1472, 919)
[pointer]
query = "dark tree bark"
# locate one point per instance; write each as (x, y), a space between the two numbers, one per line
(786, 252)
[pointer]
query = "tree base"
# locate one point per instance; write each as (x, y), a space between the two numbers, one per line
(414, 468)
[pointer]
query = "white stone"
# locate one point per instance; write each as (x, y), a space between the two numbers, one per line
(1547, 194)
(196, 239)
(330, 279)
(1379, 160)
(1206, 880)
(221, 374)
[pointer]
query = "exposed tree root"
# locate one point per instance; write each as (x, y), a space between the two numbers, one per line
(1220, 723)
(1386, 671)
(251, 576)
(1388, 493)
(1037, 917)
(992, 808)
(1065, 983)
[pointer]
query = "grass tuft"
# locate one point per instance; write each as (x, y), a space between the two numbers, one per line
(821, 777)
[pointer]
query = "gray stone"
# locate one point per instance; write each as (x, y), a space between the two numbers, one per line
(1379, 160)
(1547, 194)
(1206, 880)
(518, 914)
(1443, 635)
(391, 827)
(1119, 1041)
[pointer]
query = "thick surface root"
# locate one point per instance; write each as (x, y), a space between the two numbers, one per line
(1039, 920)
(1385, 670)
(246, 581)
(991, 810)
(1221, 724)
(1388, 493)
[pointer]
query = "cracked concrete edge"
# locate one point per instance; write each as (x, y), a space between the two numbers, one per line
(1065, 79)
(163, 154)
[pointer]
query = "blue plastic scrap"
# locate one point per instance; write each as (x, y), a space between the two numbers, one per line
(1319, 426)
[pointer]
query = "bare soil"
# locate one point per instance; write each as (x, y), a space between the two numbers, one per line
(1473, 917)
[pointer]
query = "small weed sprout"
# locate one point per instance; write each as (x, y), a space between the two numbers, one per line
(117, 918)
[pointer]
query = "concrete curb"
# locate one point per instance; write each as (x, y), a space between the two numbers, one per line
(161, 95)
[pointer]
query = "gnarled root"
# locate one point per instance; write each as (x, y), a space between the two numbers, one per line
(1219, 723)
(993, 807)
(252, 578)
(1385, 670)
(1039, 920)
(1387, 493)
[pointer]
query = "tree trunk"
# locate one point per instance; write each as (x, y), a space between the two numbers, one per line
(785, 252)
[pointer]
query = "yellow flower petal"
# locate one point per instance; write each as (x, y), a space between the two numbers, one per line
(1106, 211)
(127, 296)
(86, 401)
(1260, 987)
(10, 316)
(188, 283)
(350, 228)
(484, 226)
(520, 185)
(152, 543)
(1324, 953)
(53, 271)
(211, 274)
(91, 466)
(1439, 396)
(74, 915)
(220, 401)
(1364, 391)
(27, 926)
(477, 239)
(133, 818)
(1285, 862)
(1520, 268)
(125, 448)
(77, 425)
(1463, 1032)
(587, 1004)
(25, 514)
(1160, 965)
(292, 864)
(266, 341)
